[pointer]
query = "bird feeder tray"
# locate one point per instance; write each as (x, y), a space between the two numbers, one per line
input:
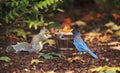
(64, 41)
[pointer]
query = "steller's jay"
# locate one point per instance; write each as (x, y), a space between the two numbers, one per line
(80, 44)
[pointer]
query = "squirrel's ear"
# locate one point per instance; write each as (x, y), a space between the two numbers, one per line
(43, 27)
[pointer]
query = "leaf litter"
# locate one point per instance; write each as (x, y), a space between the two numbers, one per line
(24, 62)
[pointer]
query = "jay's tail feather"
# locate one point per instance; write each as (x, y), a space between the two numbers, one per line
(92, 54)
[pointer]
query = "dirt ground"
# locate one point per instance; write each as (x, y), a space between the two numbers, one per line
(21, 62)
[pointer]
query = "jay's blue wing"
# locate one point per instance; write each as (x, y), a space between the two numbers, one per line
(82, 47)
(79, 46)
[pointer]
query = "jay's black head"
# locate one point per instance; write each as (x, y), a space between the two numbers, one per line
(75, 31)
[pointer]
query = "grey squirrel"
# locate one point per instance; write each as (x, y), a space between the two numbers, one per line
(36, 46)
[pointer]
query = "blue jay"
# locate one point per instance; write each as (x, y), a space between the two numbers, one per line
(80, 44)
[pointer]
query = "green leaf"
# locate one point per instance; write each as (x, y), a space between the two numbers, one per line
(56, 0)
(48, 2)
(6, 19)
(12, 4)
(61, 10)
(28, 10)
(54, 25)
(21, 32)
(35, 26)
(5, 58)
(40, 5)
(44, 4)
(42, 19)
(15, 13)
(101, 72)
(36, 8)
(118, 38)
(31, 24)
(16, 3)
(11, 15)
(50, 55)
(52, 1)
(25, 1)
(108, 71)
(61, 0)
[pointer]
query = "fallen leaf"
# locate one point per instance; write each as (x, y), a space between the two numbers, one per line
(92, 36)
(96, 30)
(109, 31)
(36, 61)
(96, 69)
(66, 25)
(66, 29)
(105, 68)
(5, 58)
(80, 23)
(22, 32)
(49, 41)
(67, 22)
(79, 53)
(97, 36)
(109, 71)
(26, 70)
(88, 17)
(109, 24)
(117, 33)
(112, 26)
(11, 36)
(105, 38)
(116, 47)
(75, 59)
(116, 16)
(114, 43)
(50, 55)
(69, 71)
(51, 71)
(118, 38)
(115, 27)
(99, 15)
